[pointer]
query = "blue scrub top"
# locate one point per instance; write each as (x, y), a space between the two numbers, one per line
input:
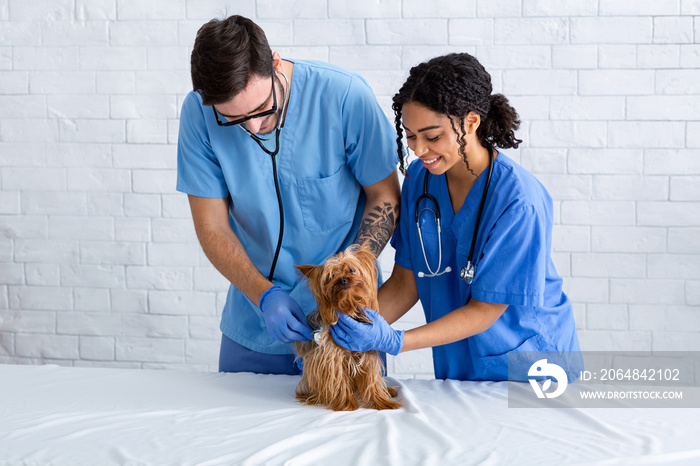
(336, 139)
(513, 265)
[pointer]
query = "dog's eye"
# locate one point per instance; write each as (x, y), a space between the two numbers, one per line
(353, 270)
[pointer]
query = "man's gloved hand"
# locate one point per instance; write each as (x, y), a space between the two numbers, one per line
(356, 336)
(284, 318)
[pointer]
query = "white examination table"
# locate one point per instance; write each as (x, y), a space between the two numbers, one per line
(90, 416)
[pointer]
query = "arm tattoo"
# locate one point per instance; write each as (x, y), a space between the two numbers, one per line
(377, 226)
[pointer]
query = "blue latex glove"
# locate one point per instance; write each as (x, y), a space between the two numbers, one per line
(284, 318)
(356, 336)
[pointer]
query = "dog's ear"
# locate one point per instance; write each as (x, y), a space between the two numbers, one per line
(309, 271)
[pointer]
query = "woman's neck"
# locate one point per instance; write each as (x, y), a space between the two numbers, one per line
(460, 179)
(478, 158)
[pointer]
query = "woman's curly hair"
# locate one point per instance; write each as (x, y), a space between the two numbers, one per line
(455, 85)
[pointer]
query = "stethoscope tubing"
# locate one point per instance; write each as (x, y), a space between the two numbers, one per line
(436, 212)
(273, 156)
(481, 205)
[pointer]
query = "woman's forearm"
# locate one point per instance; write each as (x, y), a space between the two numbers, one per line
(397, 295)
(471, 319)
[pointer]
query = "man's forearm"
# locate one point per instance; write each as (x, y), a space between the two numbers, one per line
(223, 248)
(227, 255)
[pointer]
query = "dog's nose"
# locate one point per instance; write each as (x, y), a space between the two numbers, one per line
(342, 281)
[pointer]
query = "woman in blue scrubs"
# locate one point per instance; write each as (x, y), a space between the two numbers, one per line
(453, 124)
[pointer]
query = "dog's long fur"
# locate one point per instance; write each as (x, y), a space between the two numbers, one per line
(333, 376)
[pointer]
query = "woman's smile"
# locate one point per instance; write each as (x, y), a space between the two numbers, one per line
(431, 162)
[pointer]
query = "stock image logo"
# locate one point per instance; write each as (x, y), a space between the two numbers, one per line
(604, 379)
(541, 369)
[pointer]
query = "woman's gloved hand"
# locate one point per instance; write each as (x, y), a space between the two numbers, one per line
(284, 318)
(356, 336)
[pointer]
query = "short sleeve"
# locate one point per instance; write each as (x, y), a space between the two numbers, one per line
(400, 239)
(370, 139)
(513, 264)
(198, 170)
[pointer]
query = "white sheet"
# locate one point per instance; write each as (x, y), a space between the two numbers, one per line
(89, 416)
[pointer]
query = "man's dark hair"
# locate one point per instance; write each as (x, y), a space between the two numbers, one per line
(226, 54)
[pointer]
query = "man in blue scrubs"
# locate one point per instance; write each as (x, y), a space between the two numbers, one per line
(284, 163)
(515, 301)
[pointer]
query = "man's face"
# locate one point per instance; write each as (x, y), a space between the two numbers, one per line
(256, 98)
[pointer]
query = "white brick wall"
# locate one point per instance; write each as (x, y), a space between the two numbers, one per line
(99, 264)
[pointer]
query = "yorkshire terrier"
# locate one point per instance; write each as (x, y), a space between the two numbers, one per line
(332, 375)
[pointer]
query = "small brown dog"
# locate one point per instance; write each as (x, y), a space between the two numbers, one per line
(334, 376)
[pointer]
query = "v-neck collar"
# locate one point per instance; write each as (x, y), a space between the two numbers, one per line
(295, 84)
(471, 202)
(463, 220)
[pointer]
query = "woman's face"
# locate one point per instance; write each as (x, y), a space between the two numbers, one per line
(430, 136)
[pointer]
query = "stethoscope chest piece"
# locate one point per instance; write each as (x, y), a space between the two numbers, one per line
(467, 273)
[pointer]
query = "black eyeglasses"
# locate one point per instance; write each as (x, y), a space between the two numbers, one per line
(257, 115)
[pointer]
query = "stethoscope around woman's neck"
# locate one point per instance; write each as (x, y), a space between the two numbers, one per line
(466, 273)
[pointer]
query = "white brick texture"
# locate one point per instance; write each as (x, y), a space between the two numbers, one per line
(99, 262)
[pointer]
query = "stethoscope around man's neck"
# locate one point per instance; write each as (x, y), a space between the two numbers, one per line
(272, 154)
(466, 273)
(280, 123)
